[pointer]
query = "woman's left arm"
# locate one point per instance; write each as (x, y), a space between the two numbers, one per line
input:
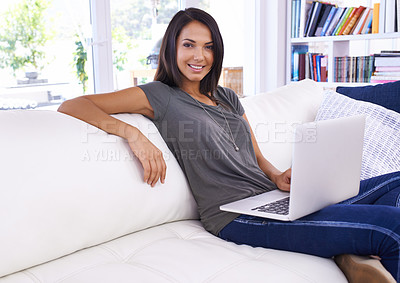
(281, 179)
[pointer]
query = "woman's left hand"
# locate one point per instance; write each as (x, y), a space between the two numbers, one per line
(283, 180)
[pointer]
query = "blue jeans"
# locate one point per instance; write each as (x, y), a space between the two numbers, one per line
(367, 224)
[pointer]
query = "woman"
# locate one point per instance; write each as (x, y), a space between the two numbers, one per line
(205, 127)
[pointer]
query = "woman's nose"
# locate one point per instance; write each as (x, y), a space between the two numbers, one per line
(198, 54)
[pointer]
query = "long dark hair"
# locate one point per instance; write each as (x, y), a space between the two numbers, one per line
(168, 72)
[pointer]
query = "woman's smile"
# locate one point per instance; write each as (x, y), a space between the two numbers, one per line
(196, 68)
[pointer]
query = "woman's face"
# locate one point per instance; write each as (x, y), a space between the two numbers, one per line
(194, 52)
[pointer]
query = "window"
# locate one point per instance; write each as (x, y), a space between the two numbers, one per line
(137, 27)
(43, 51)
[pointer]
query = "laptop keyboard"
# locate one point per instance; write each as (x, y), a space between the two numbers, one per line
(277, 207)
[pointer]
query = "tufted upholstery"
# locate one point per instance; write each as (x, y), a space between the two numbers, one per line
(179, 252)
(75, 209)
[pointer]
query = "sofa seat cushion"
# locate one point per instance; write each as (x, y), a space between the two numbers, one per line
(179, 252)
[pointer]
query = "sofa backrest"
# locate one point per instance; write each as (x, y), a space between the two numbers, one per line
(274, 115)
(65, 185)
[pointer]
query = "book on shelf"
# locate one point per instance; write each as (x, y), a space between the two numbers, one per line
(298, 62)
(384, 79)
(338, 14)
(353, 69)
(384, 73)
(390, 52)
(385, 61)
(387, 65)
(304, 11)
(317, 66)
(382, 16)
(354, 19)
(385, 69)
(398, 15)
(350, 14)
(342, 20)
(318, 9)
(308, 65)
(364, 20)
(317, 18)
(324, 68)
(295, 20)
(324, 16)
(368, 24)
(328, 21)
(390, 16)
(308, 18)
(375, 18)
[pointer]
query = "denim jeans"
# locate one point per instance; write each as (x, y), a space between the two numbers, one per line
(367, 224)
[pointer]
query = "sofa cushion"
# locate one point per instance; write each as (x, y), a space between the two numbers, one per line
(274, 115)
(386, 95)
(66, 185)
(180, 252)
(381, 152)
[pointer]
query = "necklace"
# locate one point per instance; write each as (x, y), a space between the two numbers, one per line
(230, 135)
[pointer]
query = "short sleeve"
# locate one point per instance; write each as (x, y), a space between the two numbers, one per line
(232, 98)
(159, 96)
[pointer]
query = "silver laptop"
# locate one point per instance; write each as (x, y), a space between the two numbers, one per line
(326, 167)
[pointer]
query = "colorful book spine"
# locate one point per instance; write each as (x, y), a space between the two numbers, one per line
(335, 21)
(297, 51)
(297, 19)
(346, 22)
(314, 18)
(318, 67)
(304, 11)
(309, 16)
(375, 18)
(368, 24)
(328, 20)
(324, 70)
(342, 21)
(361, 22)
(353, 69)
(353, 20)
(322, 19)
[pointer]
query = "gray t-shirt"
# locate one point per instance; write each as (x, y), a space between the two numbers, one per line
(216, 172)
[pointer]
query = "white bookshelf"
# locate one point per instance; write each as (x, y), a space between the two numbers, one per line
(342, 45)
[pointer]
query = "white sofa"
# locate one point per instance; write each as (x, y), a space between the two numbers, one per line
(74, 207)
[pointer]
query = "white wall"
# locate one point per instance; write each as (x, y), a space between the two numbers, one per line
(264, 65)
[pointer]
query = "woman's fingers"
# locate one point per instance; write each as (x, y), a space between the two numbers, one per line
(154, 166)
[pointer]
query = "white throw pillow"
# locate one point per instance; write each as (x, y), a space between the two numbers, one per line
(381, 153)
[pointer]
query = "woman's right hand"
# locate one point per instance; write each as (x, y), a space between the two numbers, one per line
(150, 157)
(96, 109)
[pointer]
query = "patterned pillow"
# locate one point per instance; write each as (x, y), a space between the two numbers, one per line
(381, 153)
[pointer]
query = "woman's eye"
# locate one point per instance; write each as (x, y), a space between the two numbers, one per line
(210, 47)
(187, 45)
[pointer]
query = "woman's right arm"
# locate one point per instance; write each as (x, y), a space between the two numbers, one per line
(96, 109)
